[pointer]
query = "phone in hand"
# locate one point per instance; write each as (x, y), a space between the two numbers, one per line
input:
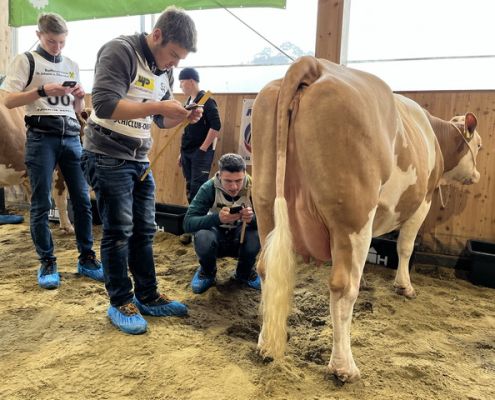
(69, 83)
(193, 106)
(235, 210)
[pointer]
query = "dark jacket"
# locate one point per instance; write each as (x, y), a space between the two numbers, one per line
(195, 134)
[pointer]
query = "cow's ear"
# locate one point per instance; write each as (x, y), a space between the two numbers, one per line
(470, 124)
(86, 113)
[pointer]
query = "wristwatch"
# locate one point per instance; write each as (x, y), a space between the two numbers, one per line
(41, 91)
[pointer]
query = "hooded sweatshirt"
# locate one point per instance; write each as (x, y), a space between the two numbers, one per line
(125, 69)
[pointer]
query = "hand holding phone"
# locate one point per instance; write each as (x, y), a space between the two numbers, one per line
(193, 106)
(237, 209)
(69, 83)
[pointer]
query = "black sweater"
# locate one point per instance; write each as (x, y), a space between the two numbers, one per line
(195, 134)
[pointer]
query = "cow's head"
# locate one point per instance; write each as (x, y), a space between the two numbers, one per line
(468, 144)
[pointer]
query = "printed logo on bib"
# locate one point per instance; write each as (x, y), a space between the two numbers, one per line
(145, 82)
(56, 72)
(134, 124)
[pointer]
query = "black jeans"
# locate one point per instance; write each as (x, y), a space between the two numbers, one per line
(216, 242)
(196, 166)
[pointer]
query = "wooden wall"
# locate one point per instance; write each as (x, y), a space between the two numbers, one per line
(5, 37)
(168, 175)
(469, 213)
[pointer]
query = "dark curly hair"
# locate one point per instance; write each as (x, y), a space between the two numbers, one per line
(232, 163)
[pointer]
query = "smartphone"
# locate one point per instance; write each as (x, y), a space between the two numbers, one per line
(193, 106)
(235, 210)
(69, 83)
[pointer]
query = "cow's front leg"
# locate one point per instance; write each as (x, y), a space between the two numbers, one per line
(405, 247)
(59, 193)
(65, 224)
(402, 282)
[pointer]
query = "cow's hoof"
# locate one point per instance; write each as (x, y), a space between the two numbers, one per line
(69, 231)
(346, 377)
(265, 359)
(408, 292)
(362, 284)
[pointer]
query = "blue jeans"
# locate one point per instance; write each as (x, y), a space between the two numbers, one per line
(43, 152)
(127, 211)
(216, 242)
(196, 167)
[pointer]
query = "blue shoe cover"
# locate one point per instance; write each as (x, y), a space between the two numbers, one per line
(49, 281)
(11, 219)
(255, 283)
(171, 308)
(201, 283)
(133, 325)
(96, 274)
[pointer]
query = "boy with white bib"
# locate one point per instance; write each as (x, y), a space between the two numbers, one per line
(36, 80)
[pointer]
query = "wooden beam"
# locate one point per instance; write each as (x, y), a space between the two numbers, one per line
(5, 37)
(332, 30)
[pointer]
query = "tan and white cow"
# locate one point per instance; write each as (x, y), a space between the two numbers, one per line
(13, 171)
(339, 159)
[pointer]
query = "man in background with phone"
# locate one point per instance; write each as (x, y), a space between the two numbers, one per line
(217, 230)
(198, 140)
(36, 80)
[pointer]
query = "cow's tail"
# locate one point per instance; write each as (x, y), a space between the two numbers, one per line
(279, 258)
(278, 285)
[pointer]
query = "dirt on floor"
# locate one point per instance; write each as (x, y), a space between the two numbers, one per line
(60, 344)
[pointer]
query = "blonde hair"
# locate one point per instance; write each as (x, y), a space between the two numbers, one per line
(52, 23)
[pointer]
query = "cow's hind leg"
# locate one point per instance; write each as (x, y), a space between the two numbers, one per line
(345, 279)
(343, 294)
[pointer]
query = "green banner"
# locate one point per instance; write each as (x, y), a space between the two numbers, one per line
(25, 12)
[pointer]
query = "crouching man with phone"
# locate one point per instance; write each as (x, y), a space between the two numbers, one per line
(216, 217)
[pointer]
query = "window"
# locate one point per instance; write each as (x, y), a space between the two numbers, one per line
(424, 44)
(231, 58)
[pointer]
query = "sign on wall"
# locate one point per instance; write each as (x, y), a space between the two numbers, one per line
(245, 131)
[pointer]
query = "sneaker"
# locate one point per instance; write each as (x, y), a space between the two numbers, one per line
(201, 282)
(90, 266)
(161, 307)
(185, 238)
(128, 319)
(253, 281)
(48, 277)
